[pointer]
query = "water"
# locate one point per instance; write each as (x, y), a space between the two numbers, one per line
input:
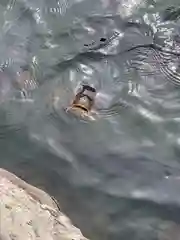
(116, 177)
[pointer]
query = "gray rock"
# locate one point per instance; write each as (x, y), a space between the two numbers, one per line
(28, 213)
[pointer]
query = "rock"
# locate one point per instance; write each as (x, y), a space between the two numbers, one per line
(27, 212)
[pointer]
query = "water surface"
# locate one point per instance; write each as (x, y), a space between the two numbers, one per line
(116, 177)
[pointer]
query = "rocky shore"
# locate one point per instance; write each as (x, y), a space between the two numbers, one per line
(28, 213)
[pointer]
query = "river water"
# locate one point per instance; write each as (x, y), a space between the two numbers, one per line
(117, 177)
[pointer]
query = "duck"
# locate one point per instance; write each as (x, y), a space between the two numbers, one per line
(83, 102)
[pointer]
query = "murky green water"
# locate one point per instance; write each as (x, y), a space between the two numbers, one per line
(117, 177)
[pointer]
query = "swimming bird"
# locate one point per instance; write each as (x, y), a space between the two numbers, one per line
(83, 102)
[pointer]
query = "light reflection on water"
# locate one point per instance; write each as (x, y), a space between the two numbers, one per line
(116, 177)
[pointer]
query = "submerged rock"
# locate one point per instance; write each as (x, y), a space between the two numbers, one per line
(28, 213)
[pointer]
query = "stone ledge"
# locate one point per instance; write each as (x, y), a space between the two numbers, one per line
(27, 212)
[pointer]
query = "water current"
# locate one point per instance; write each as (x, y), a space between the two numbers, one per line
(117, 177)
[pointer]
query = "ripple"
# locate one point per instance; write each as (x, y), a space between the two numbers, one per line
(149, 115)
(113, 167)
